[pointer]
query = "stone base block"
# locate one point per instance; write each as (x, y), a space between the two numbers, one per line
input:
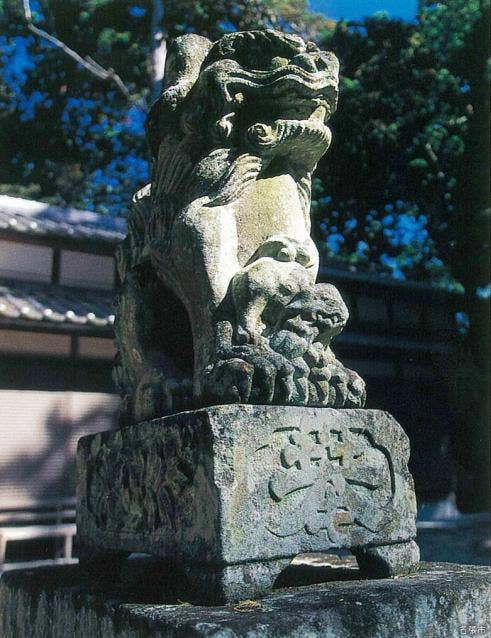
(230, 494)
(441, 601)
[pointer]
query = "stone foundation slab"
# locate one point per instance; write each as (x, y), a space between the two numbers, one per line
(441, 601)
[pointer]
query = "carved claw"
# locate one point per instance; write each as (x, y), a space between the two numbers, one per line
(250, 373)
(356, 391)
(246, 336)
(229, 381)
(157, 394)
(348, 388)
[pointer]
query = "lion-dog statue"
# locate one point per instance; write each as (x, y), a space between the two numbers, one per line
(218, 300)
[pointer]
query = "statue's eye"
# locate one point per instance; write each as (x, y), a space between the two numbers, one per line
(284, 255)
(278, 62)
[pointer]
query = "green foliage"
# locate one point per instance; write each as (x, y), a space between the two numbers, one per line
(72, 138)
(407, 108)
(213, 18)
(446, 27)
(396, 192)
(62, 126)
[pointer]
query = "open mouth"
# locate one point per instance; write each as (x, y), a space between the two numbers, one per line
(307, 321)
(291, 107)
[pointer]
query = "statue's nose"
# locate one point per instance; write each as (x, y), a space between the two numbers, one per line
(307, 61)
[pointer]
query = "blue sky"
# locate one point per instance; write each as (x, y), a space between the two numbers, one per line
(355, 9)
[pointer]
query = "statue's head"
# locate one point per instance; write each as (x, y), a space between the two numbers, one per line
(317, 314)
(243, 89)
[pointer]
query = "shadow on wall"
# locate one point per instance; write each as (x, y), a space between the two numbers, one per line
(38, 442)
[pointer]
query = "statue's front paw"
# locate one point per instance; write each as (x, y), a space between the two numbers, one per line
(249, 374)
(157, 394)
(348, 388)
(228, 381)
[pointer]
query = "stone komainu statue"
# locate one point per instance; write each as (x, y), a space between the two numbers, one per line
(218, 302)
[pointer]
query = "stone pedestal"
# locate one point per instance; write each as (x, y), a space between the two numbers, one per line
(441, 601)
(226, 496)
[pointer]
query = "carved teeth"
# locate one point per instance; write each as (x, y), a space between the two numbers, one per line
(319, 113)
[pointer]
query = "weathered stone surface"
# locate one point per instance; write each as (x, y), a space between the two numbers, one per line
(441, 601)
(218, 302)
(242, 484)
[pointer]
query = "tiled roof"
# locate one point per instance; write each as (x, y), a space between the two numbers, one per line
(32, 218)
(50, 306)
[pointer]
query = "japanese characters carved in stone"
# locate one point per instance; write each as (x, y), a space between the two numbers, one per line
(218, 302)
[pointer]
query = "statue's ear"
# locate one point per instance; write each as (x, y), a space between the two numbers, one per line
(185, 56)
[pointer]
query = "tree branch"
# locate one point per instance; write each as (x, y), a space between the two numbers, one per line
(158, 47)
(107, 75)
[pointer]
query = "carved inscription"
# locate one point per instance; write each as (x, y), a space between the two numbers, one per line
(234, 484)
(333, 479)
